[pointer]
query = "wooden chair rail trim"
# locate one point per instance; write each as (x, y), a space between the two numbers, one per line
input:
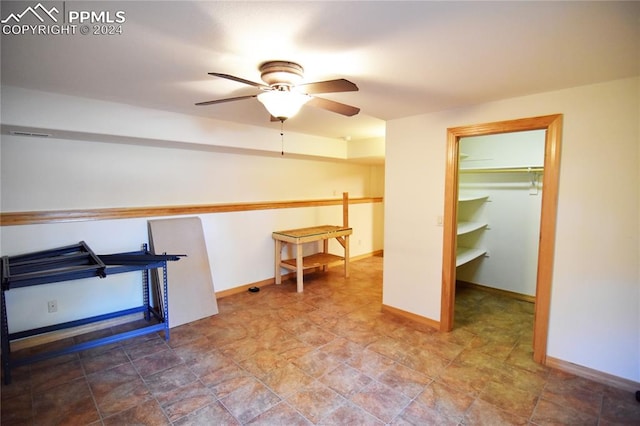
(59, 216)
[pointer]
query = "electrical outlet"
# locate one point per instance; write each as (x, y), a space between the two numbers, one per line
(52, 306)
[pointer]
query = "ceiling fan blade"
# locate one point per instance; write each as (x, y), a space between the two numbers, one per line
(333, 106)
(330, 86)
(239, 80)
(220, 101)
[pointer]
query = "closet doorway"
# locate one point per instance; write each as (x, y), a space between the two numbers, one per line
(552, 125)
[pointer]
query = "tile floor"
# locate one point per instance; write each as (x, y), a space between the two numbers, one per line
(328, 357)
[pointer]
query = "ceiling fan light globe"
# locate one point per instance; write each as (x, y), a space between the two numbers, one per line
(283, 104)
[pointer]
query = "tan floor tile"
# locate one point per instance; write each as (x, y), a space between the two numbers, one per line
(68, 403)
(169, 380)
(184, 334)
(345, 380)
(550, 413)
(483, 413)
(496, 348)
(371, 363)
(522, 356)
(620, 406)
(519, 378)
(314, 335)
(448, 402)
(424, 361)
(249, 401)
(464, 378)
(515, 401)
(49, 376)
(275, 338)
(573, 392)
(118, 389)
(420, 414)
(156, 362)
(104, 360)
(481, 361)
(20, 383)
(350, 414)
(390, 348)
(315, 401)
(147, 413)
(103, 381)
(226, 380)
(122, 397)
(262, 362)
(343, 349)
(182, 401)
(287, 380)
(145, 347)
(212, 414)
(17, 410)
(317, 363)
(194, 350)
(291, 349)
(232, 332)
(404, 380)
(280, 414)
(355, 331)
(207, 363)
(381, 401)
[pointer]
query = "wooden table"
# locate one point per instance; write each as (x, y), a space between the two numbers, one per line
(300, 236)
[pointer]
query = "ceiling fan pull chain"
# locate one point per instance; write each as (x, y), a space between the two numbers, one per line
(282, 137)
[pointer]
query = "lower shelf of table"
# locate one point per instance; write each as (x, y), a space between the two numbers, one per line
(312, 261)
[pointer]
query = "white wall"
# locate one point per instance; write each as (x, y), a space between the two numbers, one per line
(516, 149)
(54, 174)
(595, 309)
(58, 173)
(69, 116)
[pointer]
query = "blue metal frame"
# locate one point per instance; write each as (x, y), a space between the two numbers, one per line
(79, 261)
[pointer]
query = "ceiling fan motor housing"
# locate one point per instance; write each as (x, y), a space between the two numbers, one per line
(281, 73)
(283, 86)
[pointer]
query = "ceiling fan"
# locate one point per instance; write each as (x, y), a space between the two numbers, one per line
(283, 96)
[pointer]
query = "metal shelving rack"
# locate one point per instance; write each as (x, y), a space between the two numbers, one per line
(75, 262)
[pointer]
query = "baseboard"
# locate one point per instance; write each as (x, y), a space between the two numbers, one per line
(498, 291)
(245, 287)
(411, 316)
(591, 374)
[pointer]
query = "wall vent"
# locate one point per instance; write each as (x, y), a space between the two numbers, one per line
(34, 134)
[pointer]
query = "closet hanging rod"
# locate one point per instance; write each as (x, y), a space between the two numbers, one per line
(503, 170)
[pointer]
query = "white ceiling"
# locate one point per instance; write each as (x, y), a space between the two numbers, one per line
(406, 57)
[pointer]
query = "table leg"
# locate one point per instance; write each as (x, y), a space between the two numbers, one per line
(278, 256)
(346, 256)
(325, 250)
(299, 267)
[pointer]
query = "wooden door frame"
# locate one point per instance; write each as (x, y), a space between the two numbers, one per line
(553, 126)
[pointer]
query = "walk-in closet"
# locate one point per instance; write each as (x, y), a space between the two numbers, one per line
(499, 207)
